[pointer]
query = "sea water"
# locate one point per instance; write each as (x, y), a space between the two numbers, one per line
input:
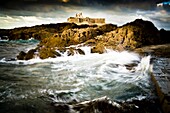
(30, 86)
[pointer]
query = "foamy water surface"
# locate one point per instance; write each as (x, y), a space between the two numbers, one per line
(118, 75)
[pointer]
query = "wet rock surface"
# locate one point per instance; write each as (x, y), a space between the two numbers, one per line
(106, 105)
(161, 78)
(130, 36)
(155, 50)
(133, 35)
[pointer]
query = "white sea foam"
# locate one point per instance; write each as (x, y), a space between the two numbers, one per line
(84, 75)
(92, 59)
(144, 65)
(96, 65)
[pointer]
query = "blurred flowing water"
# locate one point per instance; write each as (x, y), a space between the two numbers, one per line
(30, 86)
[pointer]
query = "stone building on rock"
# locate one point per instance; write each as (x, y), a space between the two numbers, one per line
(79, 19)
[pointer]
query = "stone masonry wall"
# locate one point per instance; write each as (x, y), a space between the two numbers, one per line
(86, 20)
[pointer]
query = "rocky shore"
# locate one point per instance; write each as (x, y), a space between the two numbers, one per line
(140, 36)
(57, 38)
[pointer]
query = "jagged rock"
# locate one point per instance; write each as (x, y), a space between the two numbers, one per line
(48, 53)
(30, 54)
(57, 52)
(164, 36)
(26, 56)
(77, 36)
(106, 105)
(81, 52)
(90, 42)
(21, 55)
(130, 36)
(72, 51)
(62, 50)
(38, 32)
(70, 37)
(99, 48)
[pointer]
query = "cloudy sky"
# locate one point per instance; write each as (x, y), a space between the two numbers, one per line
(19, 13)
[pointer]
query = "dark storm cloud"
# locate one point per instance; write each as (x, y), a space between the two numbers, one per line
(15, 13)
(23, 3)
(12, 7)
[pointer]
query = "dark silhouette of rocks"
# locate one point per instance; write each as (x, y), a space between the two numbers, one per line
(106, 105)
(21, 55)
(131, 36)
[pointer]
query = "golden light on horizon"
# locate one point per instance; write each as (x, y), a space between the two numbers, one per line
(65, 1)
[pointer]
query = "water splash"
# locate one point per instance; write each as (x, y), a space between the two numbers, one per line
(118, 75)
(145, 66)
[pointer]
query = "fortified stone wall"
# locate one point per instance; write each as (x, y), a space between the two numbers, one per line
(79, 19)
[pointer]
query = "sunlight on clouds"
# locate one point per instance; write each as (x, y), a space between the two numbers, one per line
(113, 16)
(8, 19)
(9, 22)
(29, 18)
(65, 1)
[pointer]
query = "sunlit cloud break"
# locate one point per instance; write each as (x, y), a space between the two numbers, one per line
(65, 1)
(9, 22)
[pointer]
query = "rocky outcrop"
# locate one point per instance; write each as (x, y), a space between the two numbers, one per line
(38, 32)
(106, 105)
(48, 46)
(55, 45)
(130, 36)
(26, 56)
(44, 53)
